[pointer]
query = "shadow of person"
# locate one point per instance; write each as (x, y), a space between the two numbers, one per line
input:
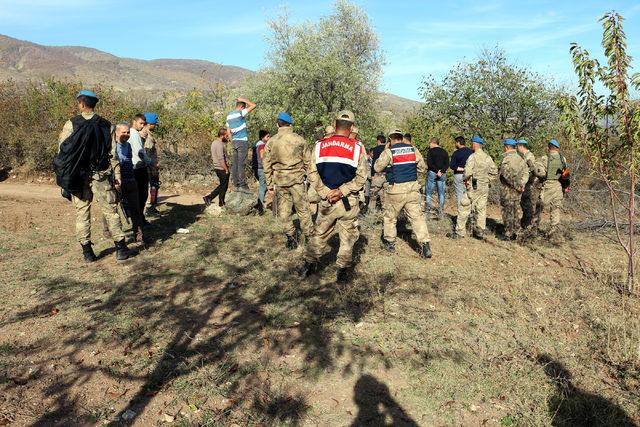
(376, 407)
(571, 406)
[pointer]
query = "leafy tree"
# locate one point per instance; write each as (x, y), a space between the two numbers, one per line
(490, 97)
(606, 128)
(319, 68)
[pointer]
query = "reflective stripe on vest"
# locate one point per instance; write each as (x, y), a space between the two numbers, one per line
(404, 167)
(337, 160)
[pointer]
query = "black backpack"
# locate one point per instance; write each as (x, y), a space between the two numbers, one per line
(85, 151)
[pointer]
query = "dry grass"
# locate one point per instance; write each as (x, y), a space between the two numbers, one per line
(212, 328)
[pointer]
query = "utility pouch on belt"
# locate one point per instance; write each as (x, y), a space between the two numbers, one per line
(474, 183)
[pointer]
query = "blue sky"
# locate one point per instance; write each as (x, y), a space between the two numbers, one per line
(418, 37)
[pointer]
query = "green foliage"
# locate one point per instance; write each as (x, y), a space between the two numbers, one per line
(489, 97)
(319, 68)
(606, 128)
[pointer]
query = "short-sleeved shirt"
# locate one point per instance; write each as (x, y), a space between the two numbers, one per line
(237, 123)
(218, 154)
(259, 150)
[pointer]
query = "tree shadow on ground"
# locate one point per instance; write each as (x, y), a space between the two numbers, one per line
(212, 318)
(571, 406)
(376, 406)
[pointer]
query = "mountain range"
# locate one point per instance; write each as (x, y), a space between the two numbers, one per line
(22, 60)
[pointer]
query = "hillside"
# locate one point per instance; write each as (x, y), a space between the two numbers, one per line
(23, 60)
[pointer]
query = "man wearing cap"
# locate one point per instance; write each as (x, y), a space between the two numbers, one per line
(378, 179)
(514, 175)
(97, 175)
(479, 171)
(402, 163)
(337, 171)
(285, 162)
(549, 170)
(238, 134)
(154, 168)
(531, 193)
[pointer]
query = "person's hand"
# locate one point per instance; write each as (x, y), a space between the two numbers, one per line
(334, 195)
(460, 169)
(521, 189)
(439, 174)
(157, 165)
(116, 184)
(144, 132)
(270, 192)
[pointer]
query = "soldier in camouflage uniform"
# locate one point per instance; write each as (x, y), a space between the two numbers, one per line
(549, 169)
(402, 163)
(285, 162)
(337, 171)
(514, 175)
(479, 171)
(531, 193)
(98, 186)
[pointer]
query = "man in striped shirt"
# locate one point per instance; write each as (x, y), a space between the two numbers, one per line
(238, 133)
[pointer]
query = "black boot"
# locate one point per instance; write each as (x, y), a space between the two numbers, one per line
(425, 251)
(260, 208)
(292, 243)
(453, 235)
(388, 246)
(122, 251)
(343, 275)
(307, 269)
(87, 252)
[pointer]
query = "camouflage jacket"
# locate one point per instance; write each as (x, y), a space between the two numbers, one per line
(285, 159)
(514, 172)
(480, 168)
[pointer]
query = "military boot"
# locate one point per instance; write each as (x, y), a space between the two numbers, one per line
(292, 243)
(343, 275)
(425, 251)
(453, 235)
(307, 269)
(388, 246)
(87, 253)
(478, 234)
(122, 251)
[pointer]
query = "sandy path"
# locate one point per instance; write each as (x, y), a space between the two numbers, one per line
(52, 193)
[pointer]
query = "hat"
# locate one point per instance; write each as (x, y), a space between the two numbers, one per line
(510, 142)
(151, 118)
(554, 143)
(87, 93)
(522, 142)
(346, 115)
(396, 132)
(477, 139)
(329, 129)
(285, 117)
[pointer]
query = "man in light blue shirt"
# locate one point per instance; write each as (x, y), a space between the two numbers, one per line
(238, 133)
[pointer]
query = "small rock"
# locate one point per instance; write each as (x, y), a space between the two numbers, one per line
(183, 231)
(473, 408)
(168, 418)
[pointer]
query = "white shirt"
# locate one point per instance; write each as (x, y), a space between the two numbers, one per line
(139, 156)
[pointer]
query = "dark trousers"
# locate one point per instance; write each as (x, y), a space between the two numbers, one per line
(238, 162)
(221, 190)
(142, 179)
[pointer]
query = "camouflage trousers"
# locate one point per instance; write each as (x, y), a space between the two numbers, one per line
(528, 203)
(332, 218)
(473, 201)
(410, 202)
(98, 186)
(550, 201)
(510, 203)
(378, 181)
(289, 198)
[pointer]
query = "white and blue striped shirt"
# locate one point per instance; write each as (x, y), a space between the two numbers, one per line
(237, 123)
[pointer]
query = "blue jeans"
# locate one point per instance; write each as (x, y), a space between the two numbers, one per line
(433, 180)
(262, 190)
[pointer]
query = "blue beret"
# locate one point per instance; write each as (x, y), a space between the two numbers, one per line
(478, 140)
(285, 117)
(554, 143)
(523, 142)
(87, 93)
(510, 142)
(151, 118)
